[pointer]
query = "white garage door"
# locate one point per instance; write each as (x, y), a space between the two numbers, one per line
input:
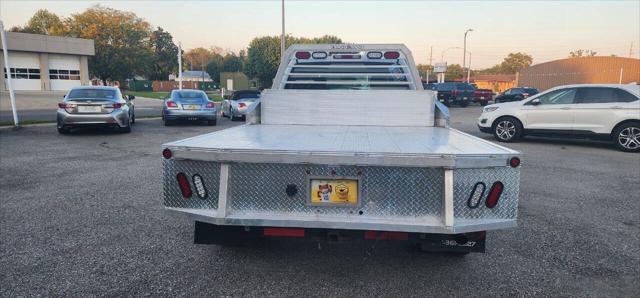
(64, 72)
(25, 71)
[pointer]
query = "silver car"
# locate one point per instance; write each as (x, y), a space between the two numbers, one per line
(236, 107)
(189, 105)
(96, 106)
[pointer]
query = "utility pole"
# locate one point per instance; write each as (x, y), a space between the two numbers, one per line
(469, 69)
(8, 74)
(464, 52)
(631, 50)
(430, 61)
(282, 37)
(180, 65)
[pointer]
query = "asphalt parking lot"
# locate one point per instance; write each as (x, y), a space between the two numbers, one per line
(82, 215)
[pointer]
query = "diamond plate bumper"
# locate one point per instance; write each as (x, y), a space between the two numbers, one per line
(407, 199)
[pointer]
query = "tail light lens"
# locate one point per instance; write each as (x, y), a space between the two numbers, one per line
(242, 104)
(183, 183)
(525, 95)
(494, 194)
(374, 55)
(210, 105)
(172, 104)
(166, 153)
(454, 92)
(198, 183)
(319, 55)
(346, 56)
(66, 106)
(303, 55)
(116, 106)
(391, 55)
(476, 195)
(514, 162)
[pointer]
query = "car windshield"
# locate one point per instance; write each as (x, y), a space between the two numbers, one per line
(103, 94)
(189, 95)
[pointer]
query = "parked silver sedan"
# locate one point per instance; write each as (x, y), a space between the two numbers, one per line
(236, 107)
(188, 105)
(95, 106)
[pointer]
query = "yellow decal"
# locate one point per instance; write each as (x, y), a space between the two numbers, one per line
(340, 191)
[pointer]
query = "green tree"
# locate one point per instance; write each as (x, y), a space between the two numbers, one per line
(424, 69)
(514, 62)
(165, 55)
(43, 22)
(263, 55)
(121, 42)
(454, 72)
(582, 53)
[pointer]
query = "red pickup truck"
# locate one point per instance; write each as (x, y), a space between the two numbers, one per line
(482, 96)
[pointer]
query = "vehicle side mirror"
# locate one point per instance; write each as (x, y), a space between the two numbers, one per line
(535, 102)
(132, 97)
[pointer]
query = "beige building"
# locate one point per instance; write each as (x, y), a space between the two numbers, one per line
(42, 62)
(582, 70)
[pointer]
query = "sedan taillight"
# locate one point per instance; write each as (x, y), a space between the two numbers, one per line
(242, 105)
(171, 104)
(210, 105)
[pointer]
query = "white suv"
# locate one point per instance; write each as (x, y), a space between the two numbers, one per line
(596, 111)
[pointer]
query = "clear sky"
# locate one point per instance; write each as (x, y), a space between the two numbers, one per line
(547, 30)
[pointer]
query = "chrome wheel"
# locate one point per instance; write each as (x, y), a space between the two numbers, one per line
(629, 138)
(505, 130)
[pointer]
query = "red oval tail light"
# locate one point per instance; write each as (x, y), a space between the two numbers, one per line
(183, 182)
(494, 194)
(303, 55)
(391, 55)
(166, 153)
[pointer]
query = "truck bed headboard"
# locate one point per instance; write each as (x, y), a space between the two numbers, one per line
(348, 107)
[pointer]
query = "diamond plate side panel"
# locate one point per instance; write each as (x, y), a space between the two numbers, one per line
(465, 179)
(210, 172)
(386, 192)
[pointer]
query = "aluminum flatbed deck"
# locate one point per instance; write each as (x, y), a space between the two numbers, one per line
(344, 145)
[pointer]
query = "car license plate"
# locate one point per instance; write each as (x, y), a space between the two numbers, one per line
(465, 98)
(332, 192)
(192, 118)
(89, 109)
(191, 107)
(481, 97)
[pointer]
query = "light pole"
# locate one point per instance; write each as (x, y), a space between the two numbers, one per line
(282, 37)
(12, 95)
(445, 50)
(464, 54)
(469, 68)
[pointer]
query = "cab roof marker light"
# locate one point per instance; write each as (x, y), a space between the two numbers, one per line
(374, 55)
(303, 55)
(198, 183)
(319, 55)
(391, 55)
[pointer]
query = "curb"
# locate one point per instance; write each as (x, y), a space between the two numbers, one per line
(44, 124)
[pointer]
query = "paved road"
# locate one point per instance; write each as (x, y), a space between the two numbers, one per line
(42, 106)
(82, 215)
